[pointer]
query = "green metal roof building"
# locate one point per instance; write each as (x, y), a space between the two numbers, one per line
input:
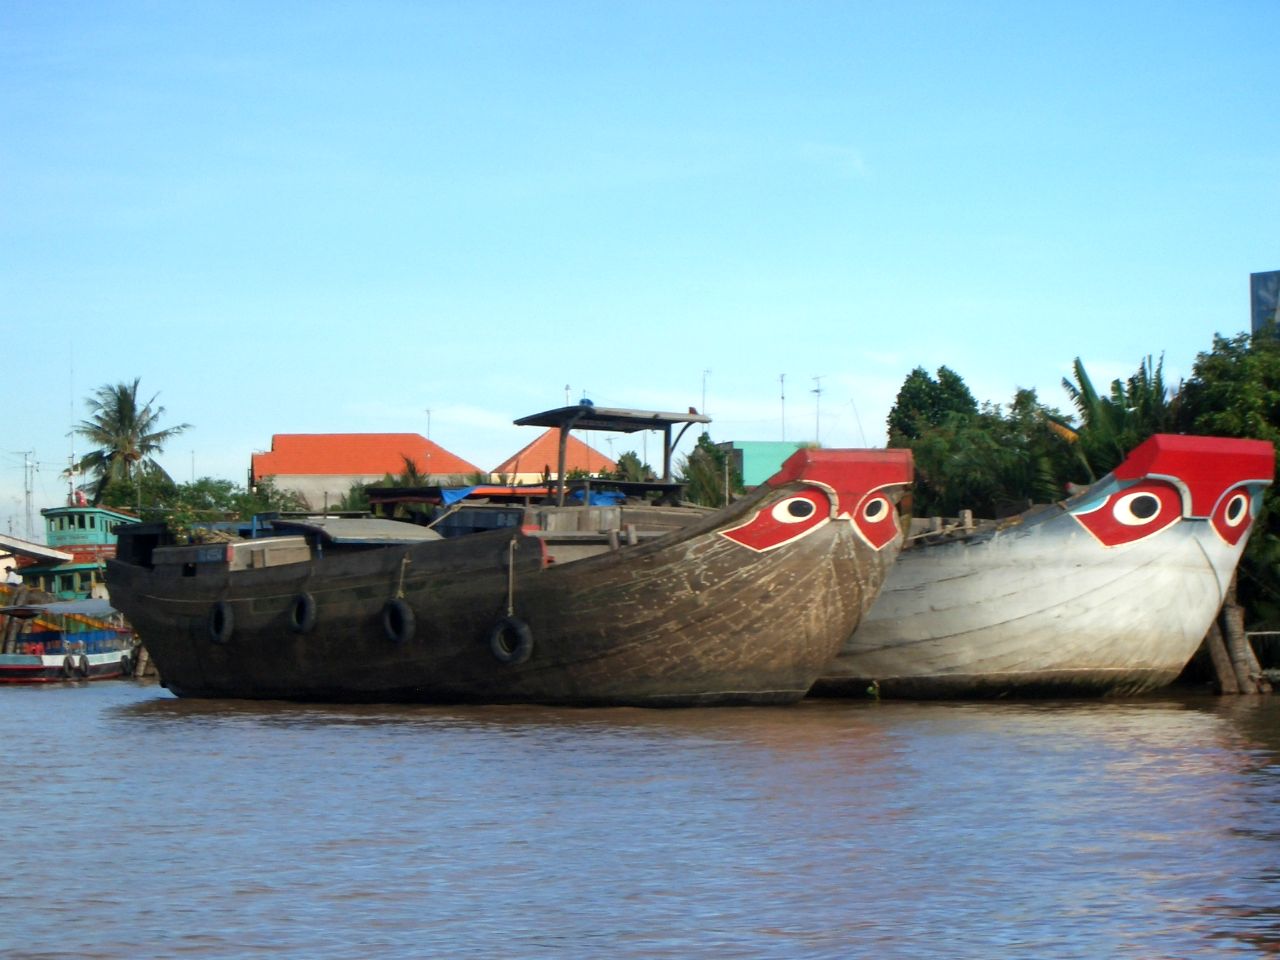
(758, 460)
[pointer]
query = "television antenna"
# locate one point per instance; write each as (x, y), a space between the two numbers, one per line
(29, 467)
(817, 409)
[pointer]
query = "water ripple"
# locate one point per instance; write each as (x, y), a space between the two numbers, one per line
(146, 826)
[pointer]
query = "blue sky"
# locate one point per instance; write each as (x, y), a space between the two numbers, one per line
(334, 217)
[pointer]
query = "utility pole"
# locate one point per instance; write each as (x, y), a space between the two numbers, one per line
(28, 483)
(817, 409)
(703, 410)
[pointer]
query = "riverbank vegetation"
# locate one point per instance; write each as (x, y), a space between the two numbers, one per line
(997, 459)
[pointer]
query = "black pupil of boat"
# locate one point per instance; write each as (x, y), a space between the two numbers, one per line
(1235, 508)
(800, 508)
(1144, 507)
(874, 509)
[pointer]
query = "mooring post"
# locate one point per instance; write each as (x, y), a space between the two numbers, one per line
(1223, 672)
(1243, 660)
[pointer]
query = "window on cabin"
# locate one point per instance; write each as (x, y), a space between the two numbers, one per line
(80, 521)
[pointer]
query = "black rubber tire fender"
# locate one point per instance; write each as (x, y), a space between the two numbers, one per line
(82, 667)
(302, 613)
(69, 666)
(398, 621)
(511, 641)
(222, 622)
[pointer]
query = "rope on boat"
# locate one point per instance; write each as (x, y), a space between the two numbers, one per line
(404, 565)
(511, 577)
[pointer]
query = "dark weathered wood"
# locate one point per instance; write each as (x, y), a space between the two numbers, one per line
(13, 625)
(691, 617)
(1224, 672)
(1244, 661)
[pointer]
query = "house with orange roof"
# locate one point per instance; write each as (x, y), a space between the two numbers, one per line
(322, 467)
(539, 459)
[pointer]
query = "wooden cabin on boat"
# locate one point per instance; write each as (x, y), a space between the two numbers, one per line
(79, 541)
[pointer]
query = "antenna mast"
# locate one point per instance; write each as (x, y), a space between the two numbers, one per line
(817, 409)
(28, 482)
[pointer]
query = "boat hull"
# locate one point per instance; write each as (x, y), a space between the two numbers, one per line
(1037, 611)
(1110, 592)
(692, 618)
(56, 668)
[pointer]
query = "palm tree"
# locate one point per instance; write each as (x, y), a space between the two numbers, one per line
(1113, 425)
(126, 434)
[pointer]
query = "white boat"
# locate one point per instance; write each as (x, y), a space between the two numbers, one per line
(1108, 592)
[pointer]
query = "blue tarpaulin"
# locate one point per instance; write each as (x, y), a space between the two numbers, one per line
(452, 495)
(600, 498)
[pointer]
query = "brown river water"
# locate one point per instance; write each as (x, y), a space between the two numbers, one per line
(139, 825)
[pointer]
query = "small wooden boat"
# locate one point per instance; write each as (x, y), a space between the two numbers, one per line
(1109, 592)
(574, 605)
(65, 640)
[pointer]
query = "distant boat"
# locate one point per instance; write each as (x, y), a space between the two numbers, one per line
(568, 605)
(80, 538)
(65, 640)
(1109, 592)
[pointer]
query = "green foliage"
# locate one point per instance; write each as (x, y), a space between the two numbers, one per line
(1234, 391)
(703, 472)
(978, 459)
(631, 468)
(1113, 425)
(924, 402)
(127, 436)
(207, 500)
(990, 462)
(410, 476)
(356, 498)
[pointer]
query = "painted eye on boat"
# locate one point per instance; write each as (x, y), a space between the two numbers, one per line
(784, 522)
(1236, 511)
(1132, 514)
(1233, 515)
(794, 510)
(875, 520)
(1137, 509)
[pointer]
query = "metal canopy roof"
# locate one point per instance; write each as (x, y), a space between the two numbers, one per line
(12, 546)
(585, 416)
(342, 530)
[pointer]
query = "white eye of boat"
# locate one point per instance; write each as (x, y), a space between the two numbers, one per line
(1237, 510)
(875, 509)
(1136, 509)
(794, 510)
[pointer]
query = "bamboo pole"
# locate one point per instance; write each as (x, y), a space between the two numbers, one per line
(1223, 672)
(1243, 660)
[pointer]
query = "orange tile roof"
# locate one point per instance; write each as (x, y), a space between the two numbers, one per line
(544, 452)
(354, 454)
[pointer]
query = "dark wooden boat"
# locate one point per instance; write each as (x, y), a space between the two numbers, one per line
(746, 604)
(1108, 592)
